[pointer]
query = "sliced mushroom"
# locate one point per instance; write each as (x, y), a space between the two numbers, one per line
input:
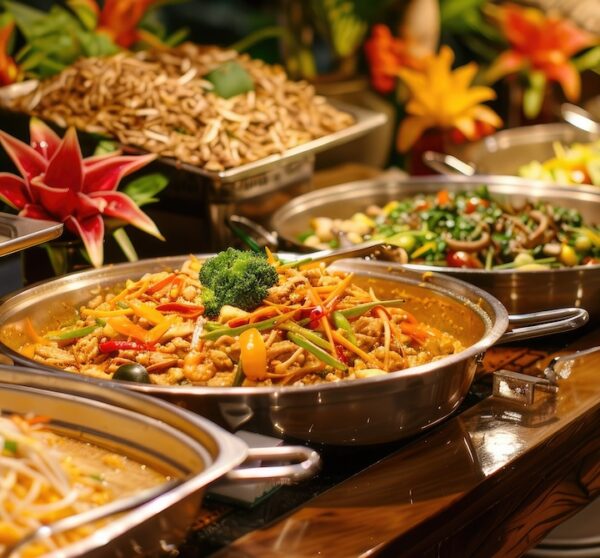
(469, 245)
(537, 236)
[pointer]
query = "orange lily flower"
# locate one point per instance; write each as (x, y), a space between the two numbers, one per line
(120, 18)
(540, 42)
(386, 54)
(444, 98)
(9, 71)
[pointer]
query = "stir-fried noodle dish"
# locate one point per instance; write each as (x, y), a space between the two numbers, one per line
(47, 477)
(240, 319)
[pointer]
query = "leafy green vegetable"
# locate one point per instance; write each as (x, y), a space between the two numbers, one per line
(236, 278)
(230, 79)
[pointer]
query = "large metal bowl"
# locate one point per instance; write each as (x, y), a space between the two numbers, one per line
(504, 152)
(518, 291)
(369, 411)
(189, 448)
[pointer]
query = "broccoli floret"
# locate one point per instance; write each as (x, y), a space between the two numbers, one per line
(236, 278)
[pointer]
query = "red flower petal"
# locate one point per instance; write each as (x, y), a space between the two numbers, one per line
(65, 169)
(34, 211)
(43, 139)
(60, 202)
(87, 207)
(122, 207)
(567, 75)
(106, 174)
(13, 190)
(29, 162)
(89, 161)
(91, 231)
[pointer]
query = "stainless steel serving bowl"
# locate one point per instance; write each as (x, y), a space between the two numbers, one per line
(504, 152)
(366, 411)
(518, 291)
(189, 448)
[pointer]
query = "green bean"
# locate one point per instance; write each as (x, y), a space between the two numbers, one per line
(233, 331)
(304, 343)
(364, 308)
(341, 322)
(74, 333)
(312, 336)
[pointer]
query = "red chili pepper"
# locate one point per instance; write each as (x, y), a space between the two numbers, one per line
(462, 259)
(315, 316)
(112, 346)
(474, 203)
(185, 310)
(236, 322)
(341, 353)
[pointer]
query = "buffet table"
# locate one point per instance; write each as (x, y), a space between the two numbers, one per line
(491, 481)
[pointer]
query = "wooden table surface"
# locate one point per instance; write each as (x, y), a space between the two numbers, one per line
(491, 481)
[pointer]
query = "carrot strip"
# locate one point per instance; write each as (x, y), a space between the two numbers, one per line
(128, 292)
(161, 284)
(33, 334)
(415, 332)
(270, 257)
(339, 289)
(356, 350)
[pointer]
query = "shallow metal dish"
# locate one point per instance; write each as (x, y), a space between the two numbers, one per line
(518, 291)
(191, 449)
(369, 411)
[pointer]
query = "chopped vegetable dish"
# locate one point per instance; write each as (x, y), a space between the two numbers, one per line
(469, 230)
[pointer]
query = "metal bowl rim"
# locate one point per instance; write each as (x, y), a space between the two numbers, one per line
(498, 326)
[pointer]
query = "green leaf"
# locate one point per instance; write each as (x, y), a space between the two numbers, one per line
(230, 79)
(106, 146)
(124, 242)
(456, 9)
(177, 37)
(85, 14)
(142, 190)
(534, 94)
(96, 44)
(589, 60)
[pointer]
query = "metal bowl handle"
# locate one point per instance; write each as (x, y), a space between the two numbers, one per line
(548, 322)
(308, 463)
(447, 164)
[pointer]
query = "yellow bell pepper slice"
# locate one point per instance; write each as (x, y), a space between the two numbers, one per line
(253, 354)
(124, 326)
(147, 312)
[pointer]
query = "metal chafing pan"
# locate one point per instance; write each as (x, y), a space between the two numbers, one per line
(519, 291)
(359, 412)
(188, 448)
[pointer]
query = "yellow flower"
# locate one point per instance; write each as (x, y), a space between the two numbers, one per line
(442, 98)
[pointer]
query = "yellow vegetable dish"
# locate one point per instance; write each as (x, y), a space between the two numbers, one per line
(575, 164)
(47, 477)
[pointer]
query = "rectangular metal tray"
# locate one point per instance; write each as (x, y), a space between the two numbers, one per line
(257, 176)
(18, 233)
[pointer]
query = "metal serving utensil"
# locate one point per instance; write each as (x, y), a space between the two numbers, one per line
(443, 163)
(521, 388)
(579, 118)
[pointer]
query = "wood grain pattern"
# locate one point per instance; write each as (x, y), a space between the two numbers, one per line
(490, 482)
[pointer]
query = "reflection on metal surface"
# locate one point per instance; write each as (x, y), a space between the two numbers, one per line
(520, 387)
